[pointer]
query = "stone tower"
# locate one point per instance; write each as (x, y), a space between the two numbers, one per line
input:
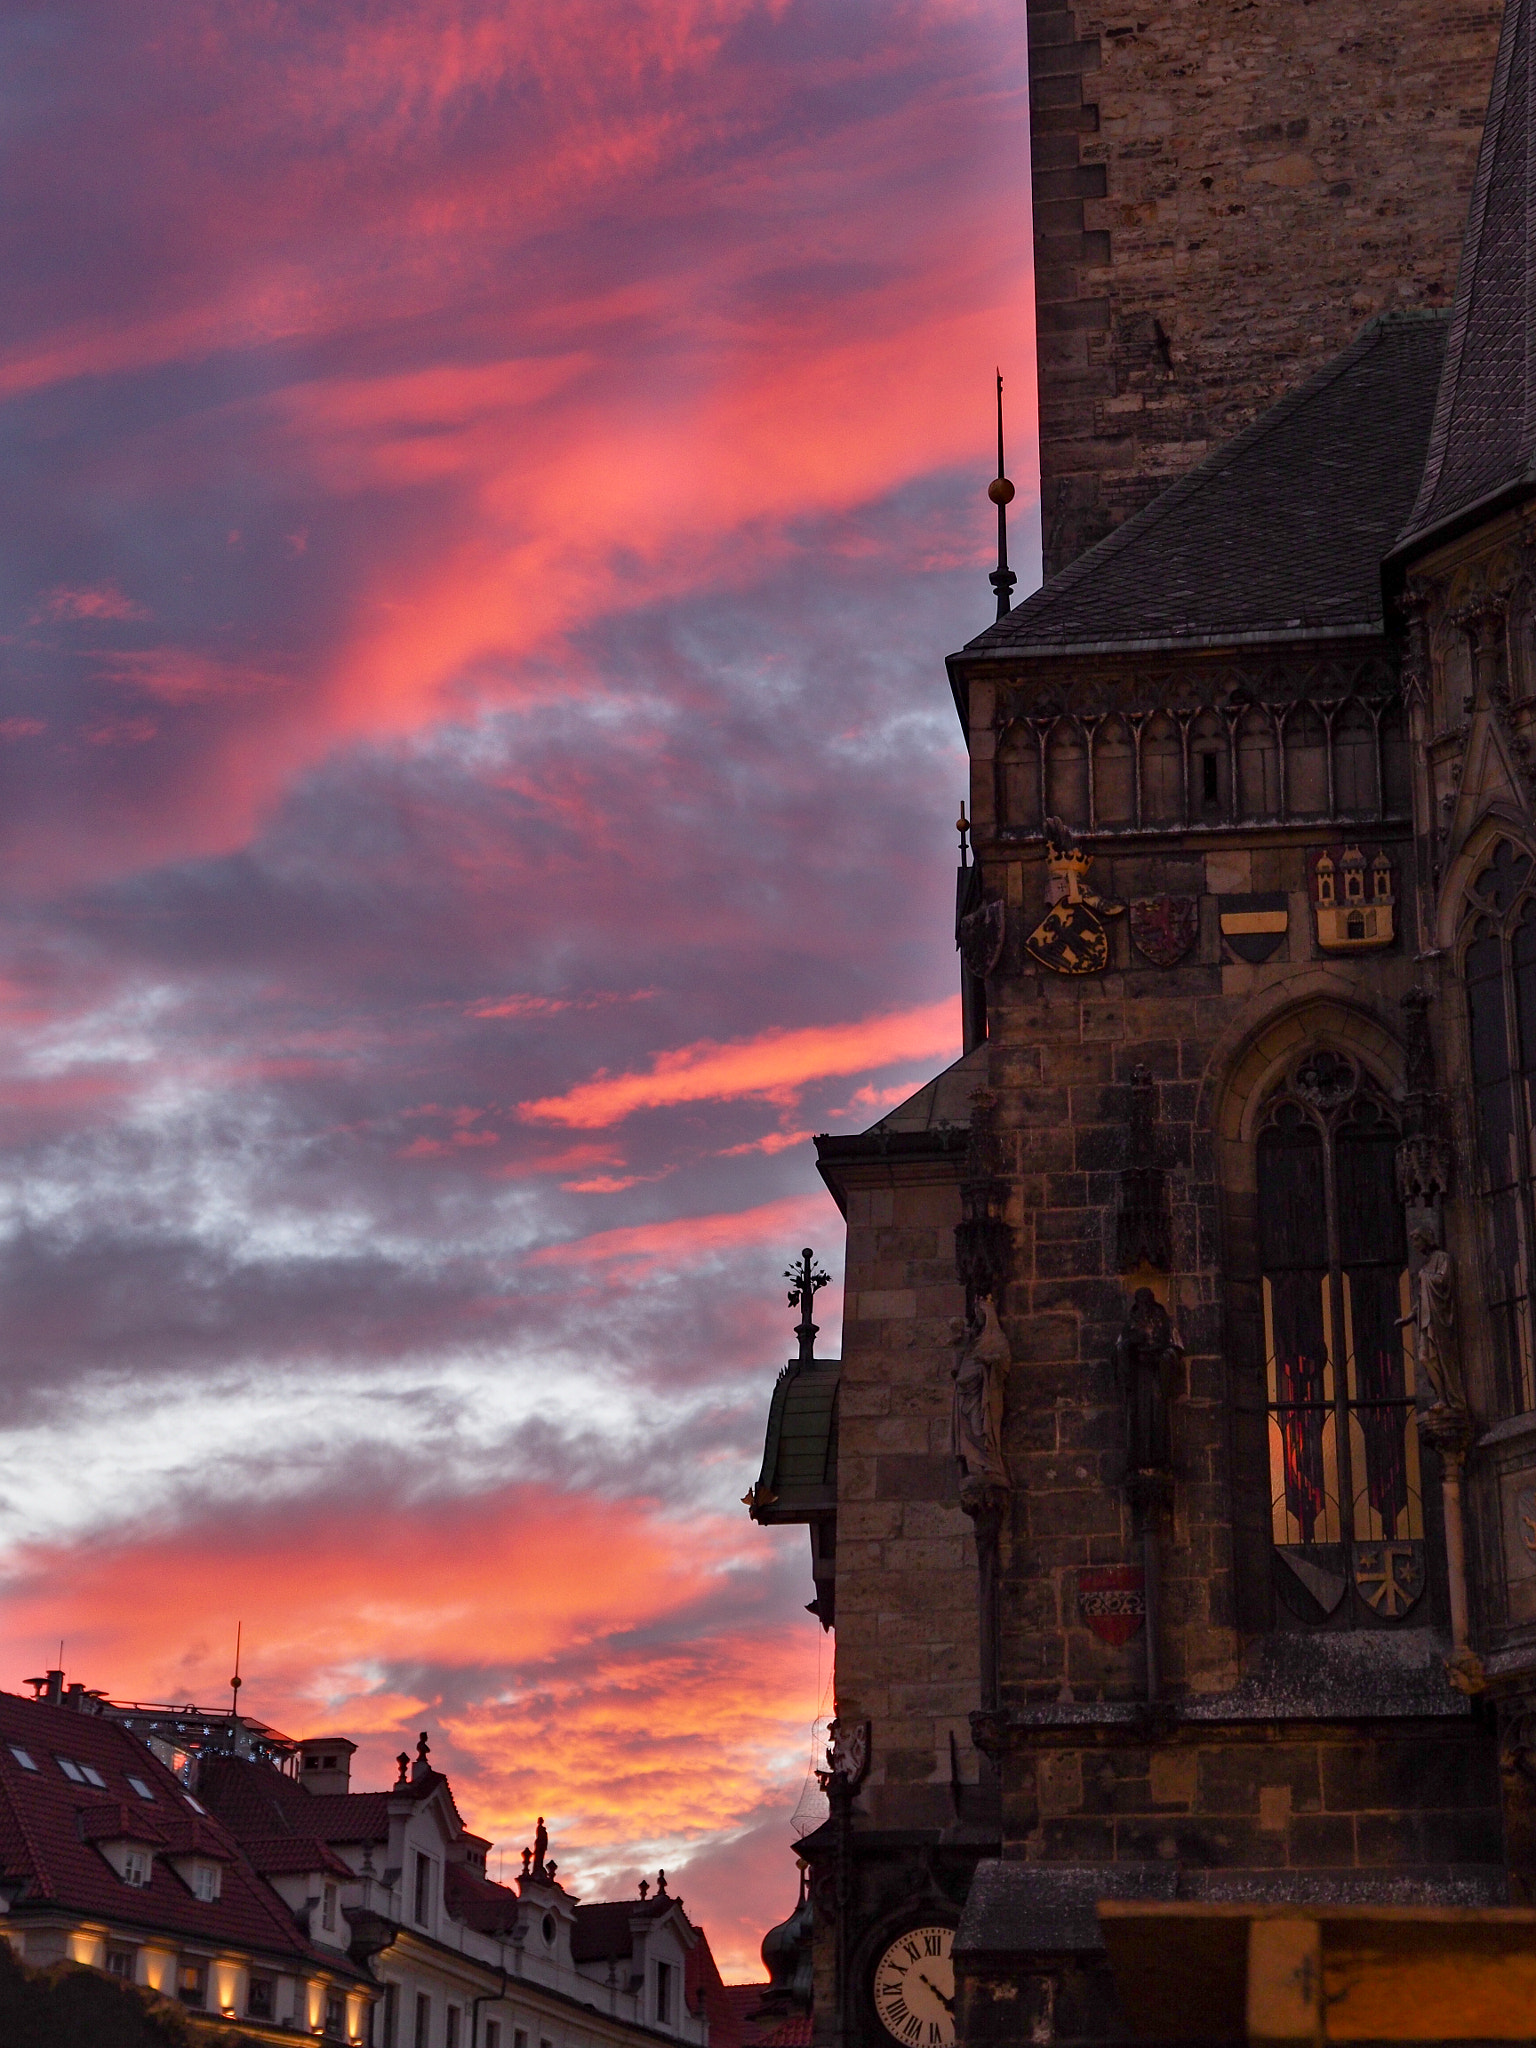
(1223, 194)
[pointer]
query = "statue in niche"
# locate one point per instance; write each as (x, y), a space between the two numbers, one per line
(1433, 1318)
(1146, 1352)
(982, 1359)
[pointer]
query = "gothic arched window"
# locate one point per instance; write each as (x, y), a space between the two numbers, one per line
(1499, 966)
(1345, 1502)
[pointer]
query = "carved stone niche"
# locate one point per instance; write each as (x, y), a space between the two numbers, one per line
(1423, 1182)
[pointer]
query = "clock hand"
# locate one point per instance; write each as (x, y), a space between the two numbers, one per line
(947, 2003)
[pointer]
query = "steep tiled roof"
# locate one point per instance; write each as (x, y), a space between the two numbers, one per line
(294, 1856)
(50, 1824)
(1277, 535)
(1483, 443)
(479, 1901)
(602, 1929)
(253, 1800)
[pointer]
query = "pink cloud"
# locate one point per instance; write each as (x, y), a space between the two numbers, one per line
(104, 602)
(774, 1064)
(687, 1240)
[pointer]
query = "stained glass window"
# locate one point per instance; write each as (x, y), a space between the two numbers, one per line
(1343, 1446)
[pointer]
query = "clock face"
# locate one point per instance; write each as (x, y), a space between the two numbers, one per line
(915, 1988)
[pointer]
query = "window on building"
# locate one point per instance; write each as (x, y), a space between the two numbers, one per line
(423, 2035)
(492, 2034)
(206, 1884)
(451, 2028)
(1499, 967)
(136, 1867)
(22, 1758)
(519, 2037)
(71, 1769)
(335, 2015)
(423, 1898)
(192, 1983)
(1343, 1449)
(664, 1994)
(93, 1777)
(138, 1785)
(328, 1908)
(260, 2001)
(123, 1963)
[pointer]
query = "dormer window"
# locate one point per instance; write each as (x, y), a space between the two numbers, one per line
(134, 1866)
(328, 1908)
(549, 1929)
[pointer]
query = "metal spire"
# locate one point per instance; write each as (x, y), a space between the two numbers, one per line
(1000, 491)
(808, 1281)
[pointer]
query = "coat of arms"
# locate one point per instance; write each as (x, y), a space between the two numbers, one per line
(1353, 899)
(981, 939)
(1112, 1601)
(1164, 927)
(1253, 926)
(1389, 1577)
(1070, 938)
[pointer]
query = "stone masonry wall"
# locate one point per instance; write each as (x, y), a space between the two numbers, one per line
(907, 1646)
(1224, 192)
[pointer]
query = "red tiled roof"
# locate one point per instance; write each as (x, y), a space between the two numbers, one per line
(113, 1820)
(45, 1815)
(744, 2025)
(294, 1855)
(479, 1901)
(256, 1802)
(792, 2031)
(603, 1930)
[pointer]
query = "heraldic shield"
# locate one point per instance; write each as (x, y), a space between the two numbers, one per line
(1164, 927)
(981, 939)
(1070, 939)
(1389, 1577)
(1112, 1601)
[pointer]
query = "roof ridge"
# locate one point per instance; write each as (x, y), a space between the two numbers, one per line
(1475, 283)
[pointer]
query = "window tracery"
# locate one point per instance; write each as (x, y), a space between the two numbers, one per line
(1345, 1496)
(1498, 961)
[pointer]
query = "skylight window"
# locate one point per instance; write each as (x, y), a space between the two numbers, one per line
(92, 1776)
(141, 1788)
(22, 1758)
(71, 1769)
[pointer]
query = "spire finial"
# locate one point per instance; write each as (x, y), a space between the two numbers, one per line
(808, 1280)
(963, 826)
(1000, 491)
(234, 1683)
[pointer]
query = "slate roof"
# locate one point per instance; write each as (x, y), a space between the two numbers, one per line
(1483, 443)
(1278, 535)
(50, 1825)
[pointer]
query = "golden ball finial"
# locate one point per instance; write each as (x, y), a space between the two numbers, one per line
(1000, 491)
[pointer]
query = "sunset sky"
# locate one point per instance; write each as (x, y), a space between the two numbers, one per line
(489, 487)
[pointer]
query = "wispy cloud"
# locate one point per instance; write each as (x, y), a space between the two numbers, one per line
(774, 1064)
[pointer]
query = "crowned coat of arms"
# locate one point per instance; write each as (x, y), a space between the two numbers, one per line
(1070, 938)
(1164, 927)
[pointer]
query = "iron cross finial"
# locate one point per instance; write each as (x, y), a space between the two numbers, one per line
(808, 1280)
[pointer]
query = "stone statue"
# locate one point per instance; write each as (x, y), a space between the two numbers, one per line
(981, 1367)
(1436, 1354)
(540, 1847)
(1145, 1353)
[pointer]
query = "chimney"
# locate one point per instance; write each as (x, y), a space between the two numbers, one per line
(325, 1764)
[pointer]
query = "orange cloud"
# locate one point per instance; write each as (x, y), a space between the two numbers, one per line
(686, 1239)
(774, 1063)
(642, 1707)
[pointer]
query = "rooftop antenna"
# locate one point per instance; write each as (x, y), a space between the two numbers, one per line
(234, 1683)
(1000, 491)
